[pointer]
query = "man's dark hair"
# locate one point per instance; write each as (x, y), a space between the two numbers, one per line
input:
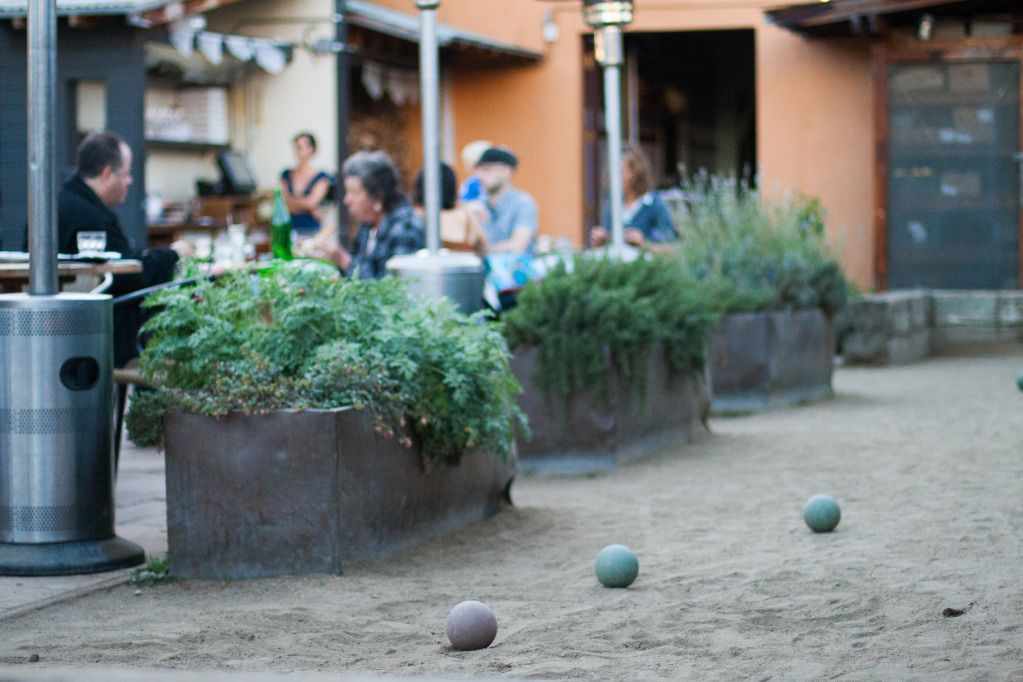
(448, 188)
(96, 152)
(501, 155)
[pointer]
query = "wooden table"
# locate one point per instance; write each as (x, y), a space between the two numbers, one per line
(13, 276)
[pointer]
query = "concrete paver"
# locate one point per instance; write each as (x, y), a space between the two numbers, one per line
(141, 518)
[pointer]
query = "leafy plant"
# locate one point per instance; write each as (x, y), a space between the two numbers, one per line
(594, 314)
(156, 570)
(294, 338)
(759, 255)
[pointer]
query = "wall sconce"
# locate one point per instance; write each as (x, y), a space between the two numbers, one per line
(926, 29)
(550, 28)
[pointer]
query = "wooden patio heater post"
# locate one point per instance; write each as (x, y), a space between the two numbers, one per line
(608, 18)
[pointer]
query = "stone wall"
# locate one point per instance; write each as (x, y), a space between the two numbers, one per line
(899, 327)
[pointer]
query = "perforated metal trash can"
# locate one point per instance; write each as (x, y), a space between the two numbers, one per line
(56, 437)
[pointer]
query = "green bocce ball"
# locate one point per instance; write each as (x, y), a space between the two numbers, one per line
(616, 566)
(822, 513)
(1019, 381)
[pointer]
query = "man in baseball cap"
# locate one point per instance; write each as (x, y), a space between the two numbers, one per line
(511, 220)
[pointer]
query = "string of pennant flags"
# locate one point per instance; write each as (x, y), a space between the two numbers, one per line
(270, 55)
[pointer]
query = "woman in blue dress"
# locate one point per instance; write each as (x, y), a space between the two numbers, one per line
(646, 218)
(305, 187)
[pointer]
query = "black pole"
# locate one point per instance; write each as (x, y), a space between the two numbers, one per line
(344, 91)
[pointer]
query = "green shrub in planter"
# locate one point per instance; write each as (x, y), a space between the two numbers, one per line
(292, 338)
(758, 255)
(595, 314)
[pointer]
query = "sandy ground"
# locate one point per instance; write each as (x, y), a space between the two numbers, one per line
(926, 460)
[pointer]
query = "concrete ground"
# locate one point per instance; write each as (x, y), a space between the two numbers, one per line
(141, 518)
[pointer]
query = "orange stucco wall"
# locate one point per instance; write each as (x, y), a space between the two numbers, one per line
(816, 134)
(814, 115)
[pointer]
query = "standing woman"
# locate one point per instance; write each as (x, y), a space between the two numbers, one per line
(305, 187)
(387, 224)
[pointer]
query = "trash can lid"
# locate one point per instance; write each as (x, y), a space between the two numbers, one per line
(444, 261)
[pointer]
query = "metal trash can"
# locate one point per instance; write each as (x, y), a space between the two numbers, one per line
(458, 276)
(56, 437)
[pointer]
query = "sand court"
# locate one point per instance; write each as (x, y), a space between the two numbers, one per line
(926, 461)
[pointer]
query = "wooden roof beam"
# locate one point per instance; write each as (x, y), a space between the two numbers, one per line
(856, 13)
(869, 8)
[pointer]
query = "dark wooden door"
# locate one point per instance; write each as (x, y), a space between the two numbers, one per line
(949, 152)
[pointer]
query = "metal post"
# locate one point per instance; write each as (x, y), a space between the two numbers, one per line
(42, 201)
(457, 276)
(344, 91)
(58, 482)
(632, 94)
(429, 80)
(609, 54)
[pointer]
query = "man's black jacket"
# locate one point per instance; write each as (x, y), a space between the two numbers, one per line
(80, 210)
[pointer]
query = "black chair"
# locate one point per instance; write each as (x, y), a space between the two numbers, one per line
(130, 376)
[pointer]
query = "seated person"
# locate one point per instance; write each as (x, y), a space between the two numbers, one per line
(305, 187)
(387, 224)
(646, 219)
(460, 229)
(100, 183)
(511, 221)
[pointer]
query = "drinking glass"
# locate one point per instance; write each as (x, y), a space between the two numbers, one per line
(91, 241)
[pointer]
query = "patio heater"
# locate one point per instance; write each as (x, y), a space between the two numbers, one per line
(458, 276)
(56, 391)
(607, 18)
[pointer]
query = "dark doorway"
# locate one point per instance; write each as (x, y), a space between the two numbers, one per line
(953, 214)
(694, 95)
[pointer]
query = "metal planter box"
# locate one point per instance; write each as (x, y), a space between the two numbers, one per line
(770, 359)
(314, 491)
(592, 434)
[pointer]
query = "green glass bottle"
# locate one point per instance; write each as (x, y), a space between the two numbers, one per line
(280, 228)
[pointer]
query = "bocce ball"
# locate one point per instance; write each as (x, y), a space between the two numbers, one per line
(616, 566)
(1019, 381)
(471, 625)
(822, 513)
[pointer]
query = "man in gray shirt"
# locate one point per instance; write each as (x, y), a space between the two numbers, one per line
(510, 220)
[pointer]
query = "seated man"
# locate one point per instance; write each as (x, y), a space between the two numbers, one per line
(100, 183)
(510, 220)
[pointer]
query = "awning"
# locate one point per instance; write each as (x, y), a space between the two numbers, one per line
(144, 12)
(18, 8)
(850, 17)
(390, 22)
